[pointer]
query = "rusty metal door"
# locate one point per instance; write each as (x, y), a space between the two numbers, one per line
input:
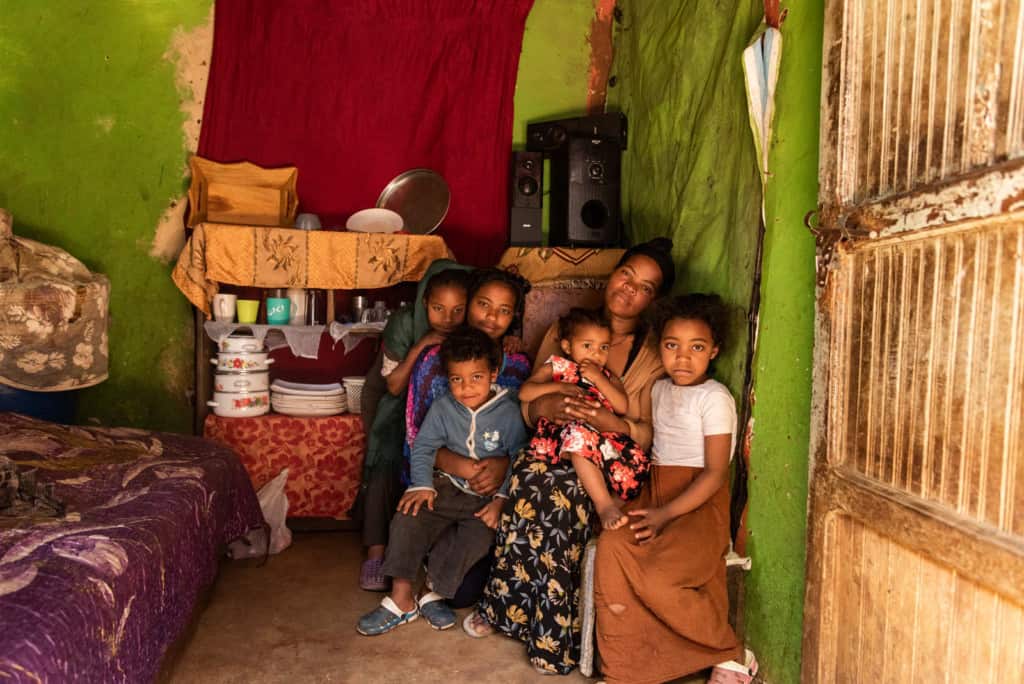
(915, 566)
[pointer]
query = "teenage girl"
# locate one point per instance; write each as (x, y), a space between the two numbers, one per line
(606, 462)
(440, 308)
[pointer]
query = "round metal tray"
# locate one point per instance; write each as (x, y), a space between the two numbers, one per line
(420, 196)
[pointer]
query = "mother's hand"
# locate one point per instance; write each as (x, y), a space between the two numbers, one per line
(596, 415)
(554, 406)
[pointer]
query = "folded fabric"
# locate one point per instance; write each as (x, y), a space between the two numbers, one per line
(53, 316)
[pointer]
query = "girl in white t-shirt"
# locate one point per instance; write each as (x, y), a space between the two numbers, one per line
(660, 581)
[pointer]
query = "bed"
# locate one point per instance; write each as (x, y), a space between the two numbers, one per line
(99, 592)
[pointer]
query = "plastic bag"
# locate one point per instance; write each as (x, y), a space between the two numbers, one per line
(274, 503)
(252, 545)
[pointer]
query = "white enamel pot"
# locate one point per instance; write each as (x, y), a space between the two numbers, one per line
(240, 343)
(240, 404)
(241, 382)
(242, 361)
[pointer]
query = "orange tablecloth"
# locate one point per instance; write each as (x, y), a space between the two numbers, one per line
(261, 256)
(324, 457)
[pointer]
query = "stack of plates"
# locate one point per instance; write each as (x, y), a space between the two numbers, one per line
(298, 399)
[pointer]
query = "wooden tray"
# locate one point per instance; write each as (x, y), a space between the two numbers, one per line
(242, 193)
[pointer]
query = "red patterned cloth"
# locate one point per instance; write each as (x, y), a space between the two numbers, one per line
(623, 462)
(324, 457)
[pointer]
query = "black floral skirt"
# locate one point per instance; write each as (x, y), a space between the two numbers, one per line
(533, 593)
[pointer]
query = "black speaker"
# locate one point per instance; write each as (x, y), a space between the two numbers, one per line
(527, 184)
(551, 136)
(584, 198)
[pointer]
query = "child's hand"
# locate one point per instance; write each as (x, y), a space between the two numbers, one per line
(649, 522)
(430, 338)
(488, 475)
(512, 344)
(591, 371)
(412, 502)
(491, 512)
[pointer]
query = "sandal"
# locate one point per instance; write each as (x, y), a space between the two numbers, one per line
(384, 618)
(731, 672)
(477, 626)
(436, 612)
(370, 576)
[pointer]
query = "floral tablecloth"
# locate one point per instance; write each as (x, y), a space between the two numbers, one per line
(324, 457)
(259, 256)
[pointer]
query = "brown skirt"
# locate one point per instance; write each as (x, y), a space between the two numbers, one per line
(674, 612)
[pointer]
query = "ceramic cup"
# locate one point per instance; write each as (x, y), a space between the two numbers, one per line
(247, 310)
(278, 310)
(224, 307)
(297, 296)
(307, 222)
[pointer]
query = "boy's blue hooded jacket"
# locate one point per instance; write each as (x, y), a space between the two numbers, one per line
(494, 429)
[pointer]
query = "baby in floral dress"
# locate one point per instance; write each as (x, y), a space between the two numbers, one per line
(607, 462)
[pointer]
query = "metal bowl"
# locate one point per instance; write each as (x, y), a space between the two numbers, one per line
(421, 197)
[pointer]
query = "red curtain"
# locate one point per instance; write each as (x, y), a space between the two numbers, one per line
(354, 92)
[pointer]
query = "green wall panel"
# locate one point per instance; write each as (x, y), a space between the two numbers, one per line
(779, 450)
(91, 154)
(554, 65)
(690, 171)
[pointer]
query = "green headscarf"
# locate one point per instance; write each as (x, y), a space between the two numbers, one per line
(404, 329)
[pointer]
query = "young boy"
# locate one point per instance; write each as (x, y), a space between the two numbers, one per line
(475, 420)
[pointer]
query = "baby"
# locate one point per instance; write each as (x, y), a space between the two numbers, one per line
(606, 462)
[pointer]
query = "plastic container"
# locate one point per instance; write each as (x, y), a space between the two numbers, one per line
(354, 391)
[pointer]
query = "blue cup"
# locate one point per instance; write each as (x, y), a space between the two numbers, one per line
(279, 310)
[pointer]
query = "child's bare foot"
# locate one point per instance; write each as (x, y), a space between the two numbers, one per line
(612, 517)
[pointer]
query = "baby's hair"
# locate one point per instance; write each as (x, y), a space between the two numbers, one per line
(449, 277)
(469, 344)
(519, 285)
(708, 308)
(576, 317)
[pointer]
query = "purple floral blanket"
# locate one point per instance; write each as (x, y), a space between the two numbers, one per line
(98, 594)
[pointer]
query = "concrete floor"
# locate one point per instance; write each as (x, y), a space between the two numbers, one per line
(293, 621)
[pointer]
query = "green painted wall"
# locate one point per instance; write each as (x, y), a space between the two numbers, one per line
(92, 152)
(553, 67)
(779, 454)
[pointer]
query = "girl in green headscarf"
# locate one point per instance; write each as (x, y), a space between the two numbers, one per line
(439, 308)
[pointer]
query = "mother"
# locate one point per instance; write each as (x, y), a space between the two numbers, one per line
(533, 592)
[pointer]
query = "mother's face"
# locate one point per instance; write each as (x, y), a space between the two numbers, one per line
(632, 287)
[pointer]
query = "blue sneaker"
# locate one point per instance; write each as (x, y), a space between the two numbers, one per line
(384, 618)
(436, 612)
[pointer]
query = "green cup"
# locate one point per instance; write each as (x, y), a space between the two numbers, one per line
(279, 310)
(247, 310)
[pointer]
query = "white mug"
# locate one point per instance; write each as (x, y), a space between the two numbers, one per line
(297, 296)
(224, 307)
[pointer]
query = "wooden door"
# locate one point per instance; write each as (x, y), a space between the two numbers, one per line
(915, 566)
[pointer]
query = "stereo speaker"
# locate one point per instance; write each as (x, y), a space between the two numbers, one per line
(551, 136)
(525, 214)
(585, 176)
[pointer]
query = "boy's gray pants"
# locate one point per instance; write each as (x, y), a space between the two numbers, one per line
(412, 538)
